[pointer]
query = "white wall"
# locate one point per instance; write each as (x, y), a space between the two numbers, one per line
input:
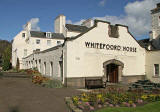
(43, 43)
(18, 47)
(72, 34)
(20, 43)
(85, 62)
(152, 57)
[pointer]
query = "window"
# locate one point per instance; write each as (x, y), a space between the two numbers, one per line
(58, 42)
(113, 31)
(23, 35)
(48, 42)
(49, 34)
(156, 69)
(25, 52)
(37, 41)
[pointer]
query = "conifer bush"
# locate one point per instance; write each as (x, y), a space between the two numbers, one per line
(54, 83)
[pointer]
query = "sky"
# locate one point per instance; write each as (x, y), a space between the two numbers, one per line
(14, 14)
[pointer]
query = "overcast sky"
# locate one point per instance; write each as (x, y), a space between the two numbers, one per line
(16, 13)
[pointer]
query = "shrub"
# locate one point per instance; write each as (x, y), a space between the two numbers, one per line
(14, 70)
(38, 79)
(6, 56)
(1, 74)
(35, 69)
(53, 84)
(32, 72)
(22, 71)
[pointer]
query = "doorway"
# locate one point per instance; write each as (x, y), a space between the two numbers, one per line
(113, 70)
(61, 70)
(112, 73)
(51, 68)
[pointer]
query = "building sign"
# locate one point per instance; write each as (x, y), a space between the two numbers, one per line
(110, 47)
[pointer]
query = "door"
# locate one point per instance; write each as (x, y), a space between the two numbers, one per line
(112, 73)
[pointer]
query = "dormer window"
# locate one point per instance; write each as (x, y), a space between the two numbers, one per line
(113, 31)
(48, 34)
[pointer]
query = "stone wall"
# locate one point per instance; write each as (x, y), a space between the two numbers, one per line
(131, 79)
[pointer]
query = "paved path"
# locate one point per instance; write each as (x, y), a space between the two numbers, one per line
(20, 95)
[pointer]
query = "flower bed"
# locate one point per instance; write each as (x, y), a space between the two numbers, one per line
(32, 72)
(112, 98)
(38, 79)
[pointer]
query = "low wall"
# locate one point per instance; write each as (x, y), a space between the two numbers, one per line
(133, 78)
(79, 82)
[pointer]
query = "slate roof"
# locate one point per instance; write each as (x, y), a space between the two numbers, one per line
(51, 49)
(157, 9)
(43, 35)
(76, 28)
(144, 42)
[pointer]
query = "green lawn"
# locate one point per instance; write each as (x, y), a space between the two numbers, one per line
(152, 107)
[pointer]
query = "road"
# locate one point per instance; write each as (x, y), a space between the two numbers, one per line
(21, 95)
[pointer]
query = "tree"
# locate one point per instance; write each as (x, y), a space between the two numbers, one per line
(3, 44)
(6, 57)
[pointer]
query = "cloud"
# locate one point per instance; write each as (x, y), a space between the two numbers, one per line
(137, 17)
(76, 23)
(69, 22)
(102, 3)
(34, 24)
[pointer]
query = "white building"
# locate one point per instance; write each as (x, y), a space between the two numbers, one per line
(98, 49)
(27, 41)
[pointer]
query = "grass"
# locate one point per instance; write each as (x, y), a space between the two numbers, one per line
(151, 107)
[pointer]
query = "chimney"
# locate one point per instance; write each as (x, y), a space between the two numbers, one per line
(59, 24)
(88, 23)
(28, 26)
(151, 35)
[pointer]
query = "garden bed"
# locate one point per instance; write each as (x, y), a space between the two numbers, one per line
(151, 107)
(39, 79)
(111, 97)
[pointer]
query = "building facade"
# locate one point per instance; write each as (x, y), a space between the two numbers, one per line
(97, 49)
